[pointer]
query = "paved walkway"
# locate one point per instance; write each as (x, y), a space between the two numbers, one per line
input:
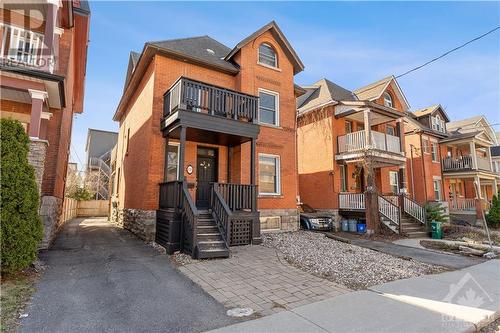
(449, 260)
(459, 301)
(255, 277)
(103, 279)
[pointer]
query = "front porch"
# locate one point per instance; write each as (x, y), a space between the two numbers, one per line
(208, 201)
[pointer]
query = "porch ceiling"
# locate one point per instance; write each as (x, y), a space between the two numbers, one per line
(211, 137)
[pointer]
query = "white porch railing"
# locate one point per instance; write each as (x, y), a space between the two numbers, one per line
(352, 201)
(483, 163)
(21, 47)
(356, 141)
(414, 209)
(462, 205)
(388, 209)
(457, 163)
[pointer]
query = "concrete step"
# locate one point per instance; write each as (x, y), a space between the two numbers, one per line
(213, 253)
(417, 234)
(205, 229)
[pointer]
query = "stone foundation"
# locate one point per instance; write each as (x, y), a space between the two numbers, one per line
(279, 219)
(36, 158)
(140, 222)
(50, 212)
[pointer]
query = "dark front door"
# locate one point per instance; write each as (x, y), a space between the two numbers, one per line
(206, 173)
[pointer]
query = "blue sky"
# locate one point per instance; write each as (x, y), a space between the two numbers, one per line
(350, 43)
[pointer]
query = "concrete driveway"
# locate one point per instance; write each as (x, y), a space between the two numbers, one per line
(102, 279)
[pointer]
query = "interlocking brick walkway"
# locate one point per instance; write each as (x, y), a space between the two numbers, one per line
(255, 277)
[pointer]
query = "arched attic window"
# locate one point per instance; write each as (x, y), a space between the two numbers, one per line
(267, 55)
(388, 100)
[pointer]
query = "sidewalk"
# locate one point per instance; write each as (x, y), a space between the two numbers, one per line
(459, 301)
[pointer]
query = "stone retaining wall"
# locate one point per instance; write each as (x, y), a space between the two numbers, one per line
(50, 212)
(283, 219)
(140, 222)
(36, 158)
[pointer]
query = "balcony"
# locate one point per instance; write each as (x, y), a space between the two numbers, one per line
(356, 141)
(24, 48)
(465, 163)
(191, 95)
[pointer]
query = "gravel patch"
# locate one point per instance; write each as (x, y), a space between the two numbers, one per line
(350, 265)
(182, 259)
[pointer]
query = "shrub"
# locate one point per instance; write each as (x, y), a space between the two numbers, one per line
(435, 212)
(81, 194)
(493, 216)
(21, 225)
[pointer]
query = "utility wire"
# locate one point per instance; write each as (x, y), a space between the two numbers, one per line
(439, 57)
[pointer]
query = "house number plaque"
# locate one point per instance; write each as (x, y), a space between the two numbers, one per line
(189, 169)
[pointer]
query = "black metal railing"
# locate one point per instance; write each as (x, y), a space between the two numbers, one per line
(190, 224)
(191, 95)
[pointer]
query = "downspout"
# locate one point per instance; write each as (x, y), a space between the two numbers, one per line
(423, 166)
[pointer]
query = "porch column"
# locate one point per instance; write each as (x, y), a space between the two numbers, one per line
(472, 148)
(256, 239)
(368, 129)
(371, 198)
(182, 152)
(495, 187)
(37, 98)
(48, 38)
(488, 156)
(399, 133)
(477, 188)
(252, 162)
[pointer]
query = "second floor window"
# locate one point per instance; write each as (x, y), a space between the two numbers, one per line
(267, 55)
(438, 124)
(434, 152)
(388, 100)
(390, 130)
(268, 107)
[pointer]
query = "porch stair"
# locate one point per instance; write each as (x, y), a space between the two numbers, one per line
(210, 243)
(389, 224)
(412, 228)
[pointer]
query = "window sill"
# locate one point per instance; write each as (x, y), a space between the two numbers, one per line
(271, 196)
(270, 67)
(270, 125)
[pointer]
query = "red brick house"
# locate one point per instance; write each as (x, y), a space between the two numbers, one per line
(42, 72)
(206, 154)
(351, 154)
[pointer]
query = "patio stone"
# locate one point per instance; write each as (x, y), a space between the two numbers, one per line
(255, 277)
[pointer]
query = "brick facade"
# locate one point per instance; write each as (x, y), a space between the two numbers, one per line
(141, 147)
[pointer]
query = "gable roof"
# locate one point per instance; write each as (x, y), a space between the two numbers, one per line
(298, 66)
(430, 110)
(476, 124)
(322, 92)
(374, 90)
(202, 48)
(132, 62)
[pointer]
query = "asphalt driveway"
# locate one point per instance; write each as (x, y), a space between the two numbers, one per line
(100, 278)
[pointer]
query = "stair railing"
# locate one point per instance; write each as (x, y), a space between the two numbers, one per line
(414, 209)
(190, 219)
(222, 212)
(389, 210)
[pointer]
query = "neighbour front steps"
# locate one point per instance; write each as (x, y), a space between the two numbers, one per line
(210, 243)
(411, 227)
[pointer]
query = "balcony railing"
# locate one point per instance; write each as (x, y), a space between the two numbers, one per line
(190, 95)
(465, 163)
(24, 48)
(462, 204)
(356, 141)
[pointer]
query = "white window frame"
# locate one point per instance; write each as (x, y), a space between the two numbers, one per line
(438, 190)
(275, 66)
(392, 128)
(348, 122)
(277, 111)
(388, 101)
(438, 124)
(391, 184)
(434, 154)
(278, 174)
(178, 151)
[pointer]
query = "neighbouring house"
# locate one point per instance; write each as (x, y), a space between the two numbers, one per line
(351, 156)
(42, 71)
(206, 152)
(495, 156)
(424, 129)
(468, 175)
(98, 171)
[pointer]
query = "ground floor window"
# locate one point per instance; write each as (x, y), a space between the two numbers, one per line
(269, 174)
(173, 162)
(393, 181)
(343, 178)
(437, 189)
